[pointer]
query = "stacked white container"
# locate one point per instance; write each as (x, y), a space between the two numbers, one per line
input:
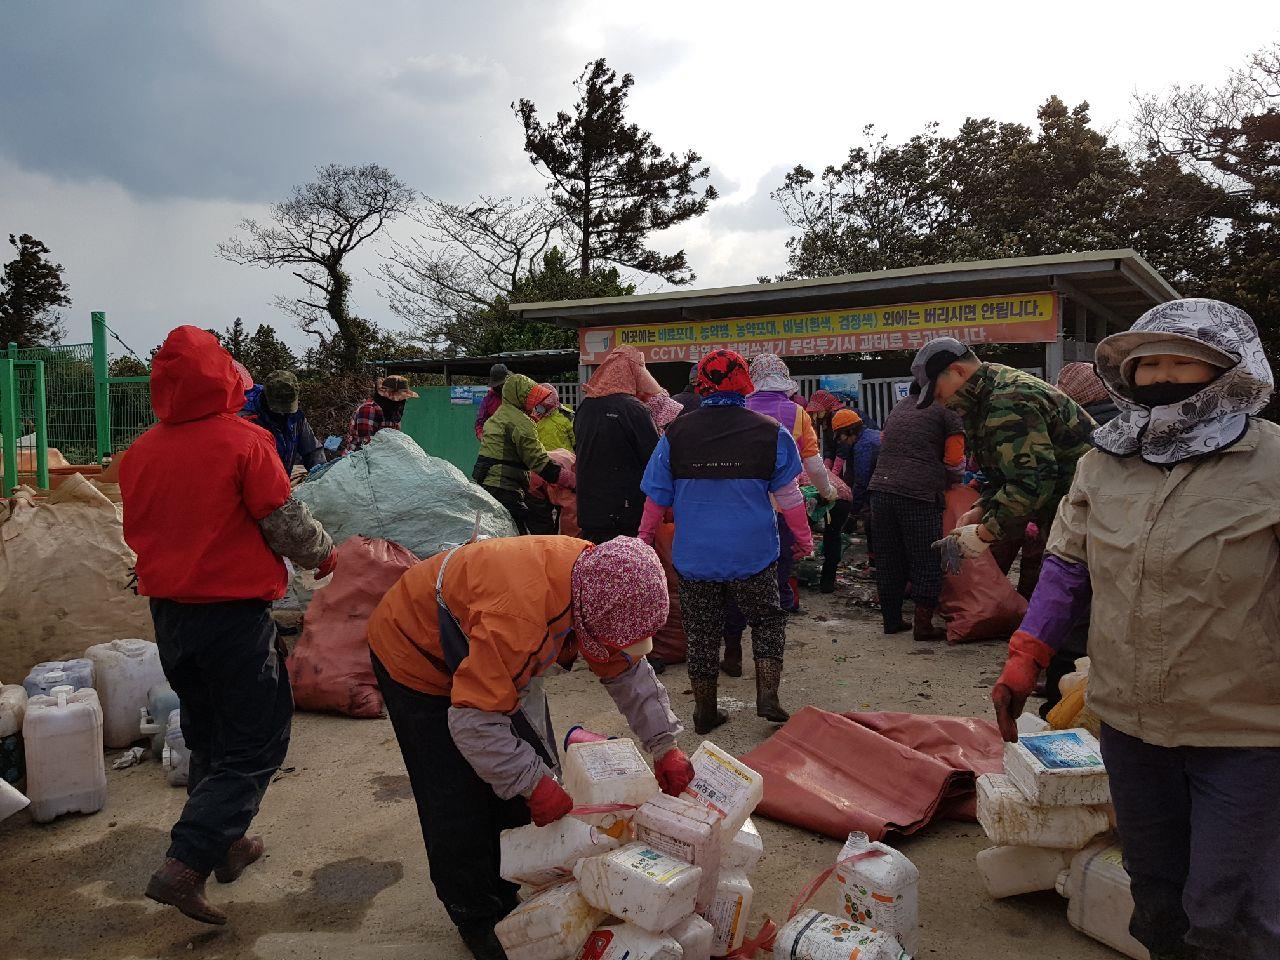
(62, 734)
(76, 674)
(125, 672)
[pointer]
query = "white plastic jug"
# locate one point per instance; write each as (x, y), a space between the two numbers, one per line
(726, 785)
(696, 937)
(811, 935)
(1010, 819)
(1010, 871)
(730, 911)
(1101, 903)
(882, 892)
(125, 672)
(552, 925)
(635, 883)
(62, 734)
(536, 856)
(1059, 768)
(744, 851)
(176, 758)
(628, 942)
(13, 706)
(608, 771)
(686, 830)
(161, 701)
(43, 677)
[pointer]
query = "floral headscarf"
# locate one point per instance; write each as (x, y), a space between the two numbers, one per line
(769, 372)
(1210, 420)
(622, 371)
(552, 401)
(619, 597)
(823, 401)
(663, 410)
(1081, 383)
(724, 371)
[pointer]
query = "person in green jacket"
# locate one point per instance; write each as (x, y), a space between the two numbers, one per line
(555, 430)
(510, 449)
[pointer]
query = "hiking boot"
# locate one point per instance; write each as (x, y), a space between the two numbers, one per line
(768, 679)
(923, 628)
(893, 622)
(483, 944)
(177, 885)
(732, 662)
(243, 852)
(707, 714)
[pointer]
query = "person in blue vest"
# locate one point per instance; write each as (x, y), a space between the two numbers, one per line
(273, 405)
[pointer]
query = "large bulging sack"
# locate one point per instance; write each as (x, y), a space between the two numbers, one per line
(392, 490)
(329, 668)
(979, 602)
(566, 500)
(66, 576)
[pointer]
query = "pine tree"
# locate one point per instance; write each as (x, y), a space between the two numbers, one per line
(266, 352)
(31, 292)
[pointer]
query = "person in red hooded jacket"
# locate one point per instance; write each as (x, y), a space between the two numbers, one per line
(208, 511)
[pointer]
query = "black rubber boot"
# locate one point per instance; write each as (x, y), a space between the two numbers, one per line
(768, 679)
(923, 628)
(732, 662)
(707, 714)
(483, 944)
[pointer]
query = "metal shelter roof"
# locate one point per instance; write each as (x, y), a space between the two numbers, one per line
(521, 361)
(1116, 284)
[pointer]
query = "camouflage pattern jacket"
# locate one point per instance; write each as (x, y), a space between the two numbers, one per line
(1026, 437)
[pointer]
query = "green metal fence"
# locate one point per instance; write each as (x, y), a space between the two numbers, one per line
(122, 404)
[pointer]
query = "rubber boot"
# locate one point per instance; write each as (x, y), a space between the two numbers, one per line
(732, 662)
(483, 944)
(243, 852)
(893, 622)
(923, 628)
(707, 714)
(768, 679)
(177, 885)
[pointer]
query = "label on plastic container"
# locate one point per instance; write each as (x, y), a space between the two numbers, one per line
(600, 946)
(724, 916)
(1062, 751)
(679, 849)
(718, 784)
(651, 863)
(824, 937)
(612, 760)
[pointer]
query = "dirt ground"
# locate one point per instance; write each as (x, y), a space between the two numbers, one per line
(346, 874)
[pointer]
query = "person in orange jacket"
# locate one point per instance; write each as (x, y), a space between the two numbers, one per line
(460, 647)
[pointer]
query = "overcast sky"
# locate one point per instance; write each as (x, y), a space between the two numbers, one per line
(134, 136)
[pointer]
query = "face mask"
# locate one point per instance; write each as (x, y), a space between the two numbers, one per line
(1166, 394)
(391, 409)
(540, 411)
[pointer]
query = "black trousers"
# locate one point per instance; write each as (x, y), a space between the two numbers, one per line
(599, 535)
(517, 506)
(544, 517)
(902, 532)
(226, 664)
(832, 545)
(462, 818)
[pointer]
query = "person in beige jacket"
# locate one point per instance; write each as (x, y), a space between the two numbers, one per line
(1172, 527)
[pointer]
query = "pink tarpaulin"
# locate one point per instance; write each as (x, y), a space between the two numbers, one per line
(880, 773)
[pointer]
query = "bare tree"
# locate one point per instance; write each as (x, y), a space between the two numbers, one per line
(468, 256)
(312, 233)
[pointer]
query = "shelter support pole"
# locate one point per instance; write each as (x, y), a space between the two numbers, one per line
(101, 385)
(9, 424)
(42, 428)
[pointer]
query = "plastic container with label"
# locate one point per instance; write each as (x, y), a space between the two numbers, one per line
(1010, 819)
(730, 911)
(76, 674)
(882, 892)
(1101, 903)
(686, 830)
(811, 935)
(628, 942)
(695, 936)
(635, 883)
(62, 734)
(537, 856)
(551, 925)
(176, 757)
(726, 785)
(124, 671)
(1010, 871)
(744, 851)
(607, 771)
(1058, 769)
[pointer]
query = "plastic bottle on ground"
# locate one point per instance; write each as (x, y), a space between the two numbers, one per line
(551, 925)
(1057, 769)
(636, 883)
(811, 935)
(744, 851)
(537, 856)
(686, 830)
(607, 771)
(882, 892)
(176, 757)
(43, 677)
(628, 942)
(1010, 871)
(124, 672)
(161, 701)
(730, 911)
(11, 800)
(726, 785)
(62, 734)
(1009, 819)
(1101, 903)
(696, 937)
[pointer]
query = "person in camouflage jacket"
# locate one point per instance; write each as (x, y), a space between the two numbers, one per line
(1025, 436)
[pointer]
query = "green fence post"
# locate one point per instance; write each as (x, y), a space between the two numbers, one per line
(101, 385)
(9, 424)
(42, 429)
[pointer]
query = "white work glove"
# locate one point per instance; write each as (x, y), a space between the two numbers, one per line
(971, 544)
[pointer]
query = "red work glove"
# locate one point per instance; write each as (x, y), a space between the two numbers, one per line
(650, 520)
(328, 565)
(1027, 657)
(548, 802)
(674, 772)
(797, 520)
